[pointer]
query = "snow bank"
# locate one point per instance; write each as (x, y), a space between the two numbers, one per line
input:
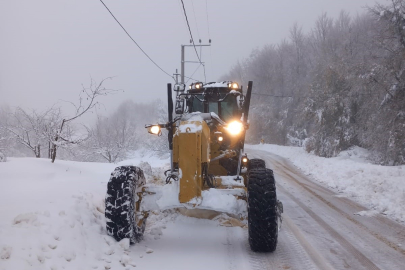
(52, 216)
(382, 188)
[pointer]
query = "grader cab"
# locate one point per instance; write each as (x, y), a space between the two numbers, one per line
(209, 169)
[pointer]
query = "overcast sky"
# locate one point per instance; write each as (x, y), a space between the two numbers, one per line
(49, 48)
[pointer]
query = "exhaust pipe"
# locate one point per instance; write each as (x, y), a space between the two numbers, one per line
(170, 125)
(245, 121)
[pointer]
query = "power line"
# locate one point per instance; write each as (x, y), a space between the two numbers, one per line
(209, 37)
(205, 75)
(181, 11)
(195, 19)
(189, 29)
(208, 24)
(193, 73)
(136, 42)
(191, 79)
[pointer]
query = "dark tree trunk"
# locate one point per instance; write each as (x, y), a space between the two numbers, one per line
(53, 152)
(37, 151)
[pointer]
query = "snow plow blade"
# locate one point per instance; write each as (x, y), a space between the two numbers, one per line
(223, 199)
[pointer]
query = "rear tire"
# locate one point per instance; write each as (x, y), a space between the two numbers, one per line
(256, 163)
(121, 219)
(262, 210)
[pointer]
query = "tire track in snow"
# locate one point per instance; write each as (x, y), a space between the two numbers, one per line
(295, 255)
(289, 254)
(293, 173)
(362, 259)
(312, 192)
(230, 249)
(256, 260)
(297, 235)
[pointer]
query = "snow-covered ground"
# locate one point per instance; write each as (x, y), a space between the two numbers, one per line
(380, 188)
(52, 215)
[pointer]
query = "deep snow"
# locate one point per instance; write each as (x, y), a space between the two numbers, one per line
(52, 215)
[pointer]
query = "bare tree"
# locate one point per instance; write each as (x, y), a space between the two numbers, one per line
(27, 129)
(112, 138)
(5, 138)
(62, 134)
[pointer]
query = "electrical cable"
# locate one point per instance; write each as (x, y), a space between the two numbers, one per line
(195, 19)
(205, 75)
(194, 72)
(189, 29)
(212, 66)
(181, 13)
(136, 42)
(190, 79)
(208, 24)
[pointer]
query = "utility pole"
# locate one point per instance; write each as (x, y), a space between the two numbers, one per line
(183, 61)
(177, 76)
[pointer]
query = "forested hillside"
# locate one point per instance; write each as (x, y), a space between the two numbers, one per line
(339, 85)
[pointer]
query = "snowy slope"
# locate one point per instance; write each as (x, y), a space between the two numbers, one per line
(380, 188)
(52, 215)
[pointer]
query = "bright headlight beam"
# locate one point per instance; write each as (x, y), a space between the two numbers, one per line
(155, 129)
(235, 127)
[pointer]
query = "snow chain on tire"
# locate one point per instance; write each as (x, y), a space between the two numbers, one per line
(120, 204)
(263, 212)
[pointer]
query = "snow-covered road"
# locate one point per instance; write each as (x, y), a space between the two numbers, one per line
(328, 230)
(52, 218)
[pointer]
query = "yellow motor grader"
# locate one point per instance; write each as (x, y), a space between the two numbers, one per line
(209, 168)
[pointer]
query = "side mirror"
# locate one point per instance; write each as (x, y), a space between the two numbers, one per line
(179, 109)
(179, 87)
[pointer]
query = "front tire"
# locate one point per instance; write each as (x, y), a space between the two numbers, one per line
(262, 210)
(121, 218)
(255, 163)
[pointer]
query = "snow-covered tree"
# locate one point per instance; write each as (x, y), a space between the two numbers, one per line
(60, 132)
(26, 128)
(113, 137)
(342, 84)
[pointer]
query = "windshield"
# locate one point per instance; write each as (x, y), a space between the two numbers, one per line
(229, 108)
(226, 110)
(197, 104)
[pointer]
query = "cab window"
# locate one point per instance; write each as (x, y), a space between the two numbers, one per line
(229, 108)
(197, 105)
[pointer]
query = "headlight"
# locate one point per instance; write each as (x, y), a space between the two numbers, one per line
(155, 130)
(197, 85)
(235, 127)
(233, 85)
